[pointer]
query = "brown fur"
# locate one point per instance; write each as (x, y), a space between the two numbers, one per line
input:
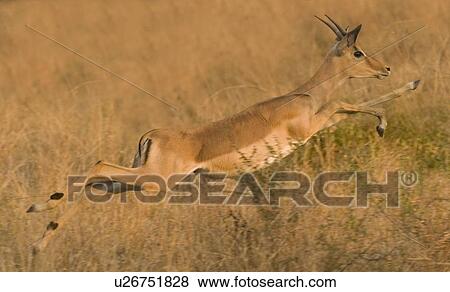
(241, 141)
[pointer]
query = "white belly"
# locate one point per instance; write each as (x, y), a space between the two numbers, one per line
(255, 156)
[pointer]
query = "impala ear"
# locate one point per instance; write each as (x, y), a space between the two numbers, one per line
(348, 40)
(353, 35)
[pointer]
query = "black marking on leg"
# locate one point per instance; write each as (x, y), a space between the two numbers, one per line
(200, 170)
(57, 196)
(52, 225)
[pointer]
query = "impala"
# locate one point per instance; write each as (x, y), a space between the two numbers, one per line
(285, 121)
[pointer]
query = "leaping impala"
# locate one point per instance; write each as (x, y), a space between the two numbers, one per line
(286, 121)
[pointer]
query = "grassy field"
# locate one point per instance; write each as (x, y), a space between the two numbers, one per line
(59, 115)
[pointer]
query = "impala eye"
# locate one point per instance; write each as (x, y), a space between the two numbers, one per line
(358, 54)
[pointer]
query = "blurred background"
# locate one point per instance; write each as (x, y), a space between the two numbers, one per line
(59, 115)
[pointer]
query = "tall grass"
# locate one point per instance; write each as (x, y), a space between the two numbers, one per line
(59, 114)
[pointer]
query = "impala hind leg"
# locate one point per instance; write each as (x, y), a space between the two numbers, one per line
(100, 169)
(53, 201)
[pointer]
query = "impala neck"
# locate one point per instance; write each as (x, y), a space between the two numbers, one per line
(324, 82)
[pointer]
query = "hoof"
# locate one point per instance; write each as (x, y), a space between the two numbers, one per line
(380, 131)
(415, 84)
(31, 209)
(36, 249)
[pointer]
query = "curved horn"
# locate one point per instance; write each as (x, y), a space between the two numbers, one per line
(337, 25)
(334, 29)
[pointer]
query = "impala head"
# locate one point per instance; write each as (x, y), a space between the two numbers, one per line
(346, 55)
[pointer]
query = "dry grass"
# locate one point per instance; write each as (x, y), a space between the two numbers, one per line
(60, 114)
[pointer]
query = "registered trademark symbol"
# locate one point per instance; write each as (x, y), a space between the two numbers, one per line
(409, 178)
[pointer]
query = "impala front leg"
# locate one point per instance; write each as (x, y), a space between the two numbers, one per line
(377, 112)
(410, 86)
(321, 119)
